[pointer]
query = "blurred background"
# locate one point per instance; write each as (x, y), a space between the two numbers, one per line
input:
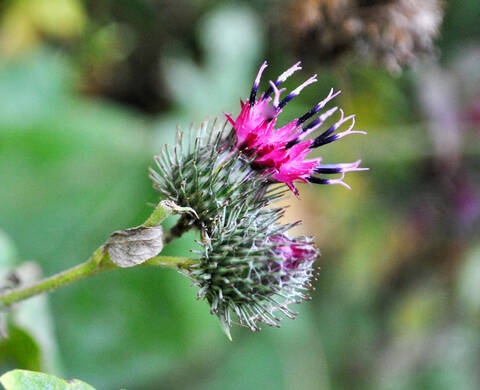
(90, 91)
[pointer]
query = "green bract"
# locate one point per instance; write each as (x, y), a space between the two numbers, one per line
(247, 268)
(207, 174)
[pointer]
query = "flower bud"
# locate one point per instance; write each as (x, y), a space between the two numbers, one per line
(250, 268)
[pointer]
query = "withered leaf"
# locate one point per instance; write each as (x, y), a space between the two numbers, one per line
(134, 246)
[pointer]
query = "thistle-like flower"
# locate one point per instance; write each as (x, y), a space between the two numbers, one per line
(251, 268)
(281, 152)
(248, 266)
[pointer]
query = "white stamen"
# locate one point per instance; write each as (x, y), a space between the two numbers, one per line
(277, 92)
(297, 90)
(340, 121)
(345, 167)
(327, 114)
(285, 75)
(349, 131)
(330, 96)
(259, 74)
(321, 119)
(339, 181)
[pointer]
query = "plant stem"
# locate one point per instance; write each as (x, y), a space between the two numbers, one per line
(170, 261)
(91, 267)
(101, 262)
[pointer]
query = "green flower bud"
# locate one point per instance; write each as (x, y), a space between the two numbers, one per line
(251, 269)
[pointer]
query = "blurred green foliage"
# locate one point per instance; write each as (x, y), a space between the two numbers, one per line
(90, 92)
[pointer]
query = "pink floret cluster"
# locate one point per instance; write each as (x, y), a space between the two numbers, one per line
(281, 153)
(296, 255)
(256, 133)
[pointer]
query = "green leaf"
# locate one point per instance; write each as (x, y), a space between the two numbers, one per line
(29, 380)
(20, 349)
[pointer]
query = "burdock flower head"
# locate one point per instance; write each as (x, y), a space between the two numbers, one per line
(282, 152)
(252, 269)
(248, 266)
(219, 181)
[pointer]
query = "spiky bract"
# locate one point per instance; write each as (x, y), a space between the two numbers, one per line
(250, 268)
(207, 174)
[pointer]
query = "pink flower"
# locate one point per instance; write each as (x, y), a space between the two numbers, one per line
(282, 152)
(296, 255)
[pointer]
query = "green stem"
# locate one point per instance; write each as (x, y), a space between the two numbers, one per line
(91, 267)
(99, 262)
(170, 262)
